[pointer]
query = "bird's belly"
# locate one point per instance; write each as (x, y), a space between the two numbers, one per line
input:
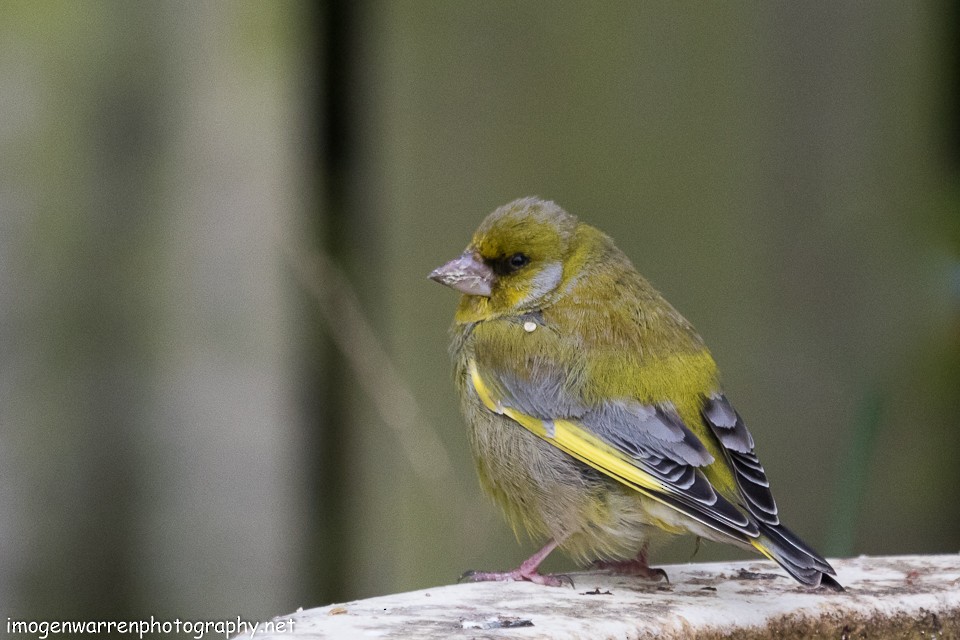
(550, 494)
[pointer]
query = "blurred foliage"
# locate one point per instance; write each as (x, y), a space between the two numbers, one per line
(191, 428)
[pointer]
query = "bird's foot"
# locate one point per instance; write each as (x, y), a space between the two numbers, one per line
(635, 567)
(526, 572)
(518, 575)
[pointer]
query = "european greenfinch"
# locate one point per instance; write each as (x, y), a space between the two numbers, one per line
(594, 409)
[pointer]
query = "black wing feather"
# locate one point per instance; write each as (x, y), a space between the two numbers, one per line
(727, 425)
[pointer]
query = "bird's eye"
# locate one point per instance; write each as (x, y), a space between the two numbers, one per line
(505, 265)
(517, 261)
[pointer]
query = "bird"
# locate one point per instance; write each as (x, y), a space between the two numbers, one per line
(594, 409)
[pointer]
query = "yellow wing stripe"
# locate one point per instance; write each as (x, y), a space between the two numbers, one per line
(576, 441)
(759, 546)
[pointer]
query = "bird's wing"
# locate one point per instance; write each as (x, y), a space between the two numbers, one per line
(737, 445)
(646, 447)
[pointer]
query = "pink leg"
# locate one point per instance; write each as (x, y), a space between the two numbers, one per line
(637, 567)
(527, 571)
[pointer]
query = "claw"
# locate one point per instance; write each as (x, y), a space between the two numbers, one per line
(636, 567)
(633, 568)
(518, 575)
(564, 579)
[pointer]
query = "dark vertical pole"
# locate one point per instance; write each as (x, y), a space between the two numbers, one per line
(323, 396)
(952, 115)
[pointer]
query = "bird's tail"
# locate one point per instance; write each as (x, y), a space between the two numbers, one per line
(803, 563)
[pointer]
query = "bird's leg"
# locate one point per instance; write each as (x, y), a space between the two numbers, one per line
(637, 567)
(526, 571)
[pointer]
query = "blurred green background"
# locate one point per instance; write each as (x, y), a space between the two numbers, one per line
(224, 381)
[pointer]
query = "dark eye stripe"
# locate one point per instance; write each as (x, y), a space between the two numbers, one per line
(509, 264)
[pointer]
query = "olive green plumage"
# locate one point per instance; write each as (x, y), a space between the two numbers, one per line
(594, 409)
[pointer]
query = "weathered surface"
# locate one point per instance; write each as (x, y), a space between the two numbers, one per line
(888, 597)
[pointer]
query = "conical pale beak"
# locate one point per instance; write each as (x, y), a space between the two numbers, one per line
(467, 274)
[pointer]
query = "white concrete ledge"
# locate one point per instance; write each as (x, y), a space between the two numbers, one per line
(889, 597)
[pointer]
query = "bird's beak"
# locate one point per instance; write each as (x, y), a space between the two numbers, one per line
(467, 274)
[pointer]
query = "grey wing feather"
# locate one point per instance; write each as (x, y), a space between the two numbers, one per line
(658, 428)
(655, 436)
(542, 396)
(727, 425)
